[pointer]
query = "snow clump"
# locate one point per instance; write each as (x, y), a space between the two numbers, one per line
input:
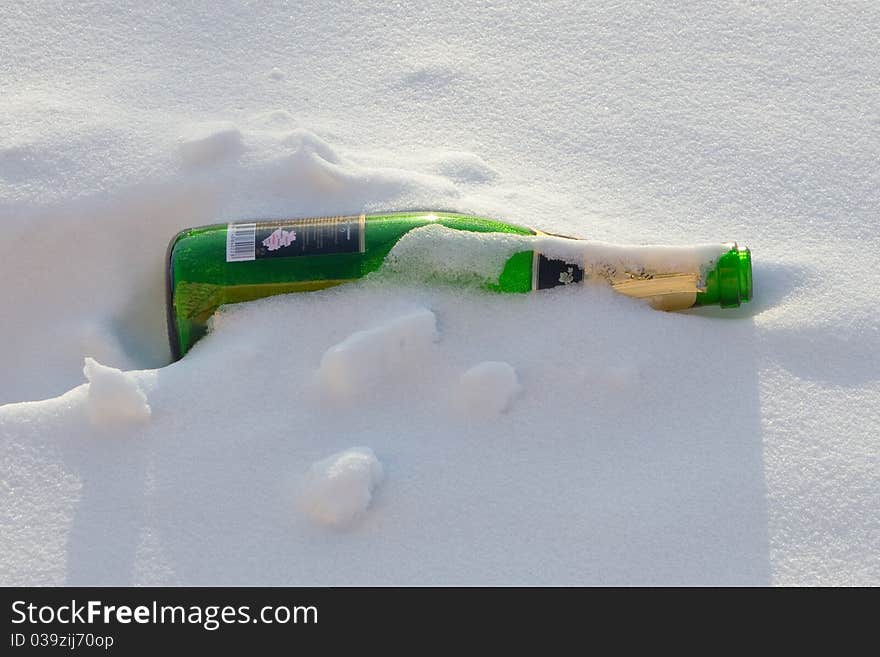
(338, 489)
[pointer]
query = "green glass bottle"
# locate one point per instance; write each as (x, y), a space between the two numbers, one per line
(228, 263)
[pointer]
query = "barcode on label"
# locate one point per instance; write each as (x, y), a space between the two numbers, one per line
(241, 242)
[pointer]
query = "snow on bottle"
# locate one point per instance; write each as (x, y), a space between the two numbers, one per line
(228, 263)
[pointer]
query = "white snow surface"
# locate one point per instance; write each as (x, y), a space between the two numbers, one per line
(705, 447)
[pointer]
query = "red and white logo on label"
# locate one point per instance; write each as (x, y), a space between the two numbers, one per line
(279, 238)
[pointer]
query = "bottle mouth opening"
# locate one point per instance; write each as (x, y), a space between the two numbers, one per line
(734, 272)
(745, 273)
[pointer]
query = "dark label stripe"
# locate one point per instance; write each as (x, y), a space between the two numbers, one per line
(553, 273)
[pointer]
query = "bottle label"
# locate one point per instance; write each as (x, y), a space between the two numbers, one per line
(294, 237)
(550, 272)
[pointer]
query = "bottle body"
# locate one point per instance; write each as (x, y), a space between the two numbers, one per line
(228, 263)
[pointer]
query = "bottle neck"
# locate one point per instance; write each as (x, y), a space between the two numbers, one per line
(670, 277)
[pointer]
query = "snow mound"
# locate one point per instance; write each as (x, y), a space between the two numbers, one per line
(338, 489)
(308, 143)
(114, 396)
(399, 346)
(486, 390)
(272, 121)
(210, 142)
(307, 168)
(466, 168)
(435, 253)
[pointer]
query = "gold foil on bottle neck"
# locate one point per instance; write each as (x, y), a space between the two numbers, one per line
(665, 291)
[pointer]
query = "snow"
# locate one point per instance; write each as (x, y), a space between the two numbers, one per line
(207, 143)
(486, 389)
(369, 357)
(434, 253)
(338, 489)
(704, 447)
(114, 396)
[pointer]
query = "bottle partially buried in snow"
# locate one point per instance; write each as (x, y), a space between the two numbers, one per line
(228, 263)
